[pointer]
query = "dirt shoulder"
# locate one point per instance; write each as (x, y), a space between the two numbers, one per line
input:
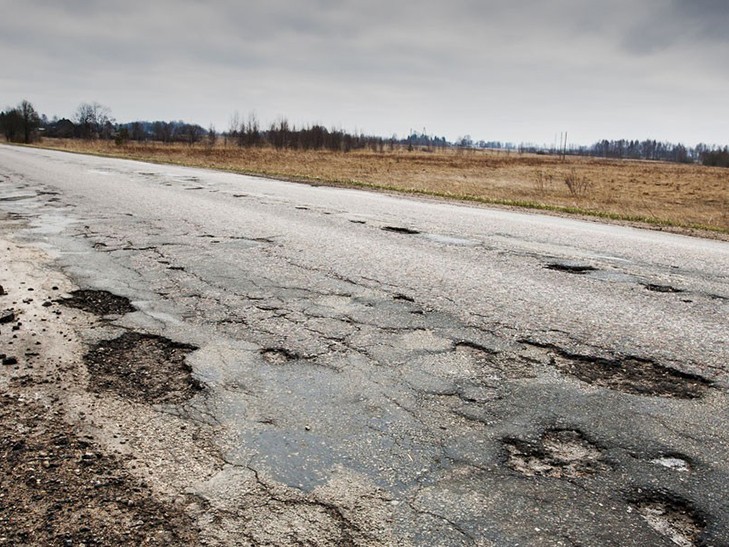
(98, 445)
(67, 476)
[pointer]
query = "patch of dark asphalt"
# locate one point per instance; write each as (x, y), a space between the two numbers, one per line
(98, 302)
(559, 453)
(7, 316)
(571, 268)
(16, 198)
(60, 489)
(400, 230)
(661, 288)
(142, 367)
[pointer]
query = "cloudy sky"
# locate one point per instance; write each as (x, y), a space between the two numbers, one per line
(520, 71)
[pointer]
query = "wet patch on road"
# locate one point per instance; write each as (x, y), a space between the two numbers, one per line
(578, 269)
(673, 518)
(98, 302)
(400, 230)
(560, 453)
(142, 367)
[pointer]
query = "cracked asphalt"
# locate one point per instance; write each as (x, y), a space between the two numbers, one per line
(377, 370)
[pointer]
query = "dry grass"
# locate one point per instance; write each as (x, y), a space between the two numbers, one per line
(691, 197)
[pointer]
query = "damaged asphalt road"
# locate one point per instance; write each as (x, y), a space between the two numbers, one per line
(289, 365)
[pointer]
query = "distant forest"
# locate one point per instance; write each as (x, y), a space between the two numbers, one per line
(23, 124)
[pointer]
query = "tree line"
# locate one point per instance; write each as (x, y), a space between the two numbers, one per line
(23, 124)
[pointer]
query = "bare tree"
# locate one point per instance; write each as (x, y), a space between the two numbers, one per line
(30, 121)
(94, 121)
(212, 136)
(233, 128)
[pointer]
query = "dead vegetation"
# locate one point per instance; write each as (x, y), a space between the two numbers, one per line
(658, 193)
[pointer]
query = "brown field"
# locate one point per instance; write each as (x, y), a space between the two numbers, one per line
(686, 198)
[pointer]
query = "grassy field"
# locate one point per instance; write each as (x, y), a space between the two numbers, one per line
(687, 198)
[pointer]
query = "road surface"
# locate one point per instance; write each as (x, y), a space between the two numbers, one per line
(375, 369)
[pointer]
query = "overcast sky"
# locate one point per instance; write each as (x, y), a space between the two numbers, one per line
(520, 71)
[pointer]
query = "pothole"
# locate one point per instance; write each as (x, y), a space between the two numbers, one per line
(633, 375)
(674, 519)
(560, 453)
(661, 288)
(98, 302)
(493, 364)
(400, 230)
(674, 463)
(571, 268)
(142, 367)
(279, 356)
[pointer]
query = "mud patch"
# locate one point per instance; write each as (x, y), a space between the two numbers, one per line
(633, 375)
(560, 453)
(672, 518)
(279, 356)
(661, 288)
(571, 268)
(400, 230)
(98, 302)
(142, 367)
(59, 489)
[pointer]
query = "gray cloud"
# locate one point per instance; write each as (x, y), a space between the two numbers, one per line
(518, 71)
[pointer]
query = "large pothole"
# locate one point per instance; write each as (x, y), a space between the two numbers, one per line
(560, 453)
(633, 375)
(98, 302)
(674, 519)
(142, 367)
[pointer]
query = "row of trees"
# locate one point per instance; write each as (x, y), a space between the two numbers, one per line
(661, 151)
(282, 135)
(94, 121)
